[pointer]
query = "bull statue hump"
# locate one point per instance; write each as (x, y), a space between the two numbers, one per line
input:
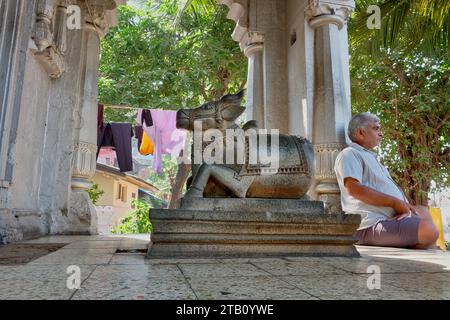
(272, 165)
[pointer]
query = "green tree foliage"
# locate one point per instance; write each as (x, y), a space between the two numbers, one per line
(166, 179)
(136, 221)
(150, 61)
(401, 73)
(407, 25)
(95, 193)
(410, 94)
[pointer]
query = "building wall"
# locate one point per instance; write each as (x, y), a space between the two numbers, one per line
(39, 121)
(41, 154)
(123, 206)
(119, 206)
(43, 147)
(105, 183)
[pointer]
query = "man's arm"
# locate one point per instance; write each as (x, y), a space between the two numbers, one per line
(376, 198)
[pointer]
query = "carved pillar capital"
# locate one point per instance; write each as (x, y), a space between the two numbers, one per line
(254, 42)
(84, 164)
(323, 12)
(96, 14)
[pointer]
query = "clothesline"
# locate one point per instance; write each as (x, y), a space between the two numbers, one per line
(158, 127)
(112, 106)
(115, 106)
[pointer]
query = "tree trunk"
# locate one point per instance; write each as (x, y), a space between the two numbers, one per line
(177, 187)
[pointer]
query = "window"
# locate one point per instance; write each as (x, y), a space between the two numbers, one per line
(119, 192)
(122, 193)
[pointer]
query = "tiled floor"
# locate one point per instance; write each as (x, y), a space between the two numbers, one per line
(106, 273)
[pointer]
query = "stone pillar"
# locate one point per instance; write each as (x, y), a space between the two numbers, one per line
(85, 145)
(267, 17)
(332, 108)
(255, 79)
(271, 20)
(84, 160)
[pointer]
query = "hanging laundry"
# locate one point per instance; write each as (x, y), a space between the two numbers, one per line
(147, 147)
(118, 135)
(100, 125)
(166, 138)
(108, 157)
(138, 131)
(146, 117)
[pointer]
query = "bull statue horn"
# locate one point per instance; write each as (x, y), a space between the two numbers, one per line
(230, 106)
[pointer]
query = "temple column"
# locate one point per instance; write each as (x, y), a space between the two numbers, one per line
(332, 109)
(84, 160)
(85, 145)
(255, 79)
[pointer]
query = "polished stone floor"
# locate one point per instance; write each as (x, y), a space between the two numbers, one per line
(115, 267)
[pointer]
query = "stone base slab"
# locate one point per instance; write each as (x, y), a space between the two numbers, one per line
(189, 233)
(252, 204)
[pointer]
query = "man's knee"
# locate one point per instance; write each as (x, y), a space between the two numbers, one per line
(428, 233)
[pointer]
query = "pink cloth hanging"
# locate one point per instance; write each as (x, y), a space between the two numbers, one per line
(164, 134)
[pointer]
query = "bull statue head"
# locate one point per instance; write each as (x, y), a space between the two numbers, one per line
(219, 114)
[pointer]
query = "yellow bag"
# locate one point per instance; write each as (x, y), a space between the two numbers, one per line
(436, 215)
(147, 146)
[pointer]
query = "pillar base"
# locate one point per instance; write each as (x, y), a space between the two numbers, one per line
(82, 214)
(80, 184)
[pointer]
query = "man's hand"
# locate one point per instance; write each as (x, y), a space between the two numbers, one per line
(402, 216)
(403, 207)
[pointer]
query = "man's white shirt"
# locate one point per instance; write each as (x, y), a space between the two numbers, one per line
(361, 164)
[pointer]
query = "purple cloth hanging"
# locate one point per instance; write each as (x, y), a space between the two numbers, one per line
(166, 138)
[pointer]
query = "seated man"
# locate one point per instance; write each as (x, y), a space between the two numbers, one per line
(367, 189)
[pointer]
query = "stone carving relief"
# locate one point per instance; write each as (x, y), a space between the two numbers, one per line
(83, 163)
(50, 35)
(287, 175)
(50, 30)
(325, 158)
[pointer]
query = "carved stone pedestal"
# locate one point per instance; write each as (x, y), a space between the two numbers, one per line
(230, 227)
(82, 214)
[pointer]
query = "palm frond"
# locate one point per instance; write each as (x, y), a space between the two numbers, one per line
(410, 24)
(194, 7)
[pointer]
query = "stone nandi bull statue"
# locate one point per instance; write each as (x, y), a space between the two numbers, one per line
(290, 178)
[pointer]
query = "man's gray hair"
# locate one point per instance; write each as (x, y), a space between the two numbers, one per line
(361, 120)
